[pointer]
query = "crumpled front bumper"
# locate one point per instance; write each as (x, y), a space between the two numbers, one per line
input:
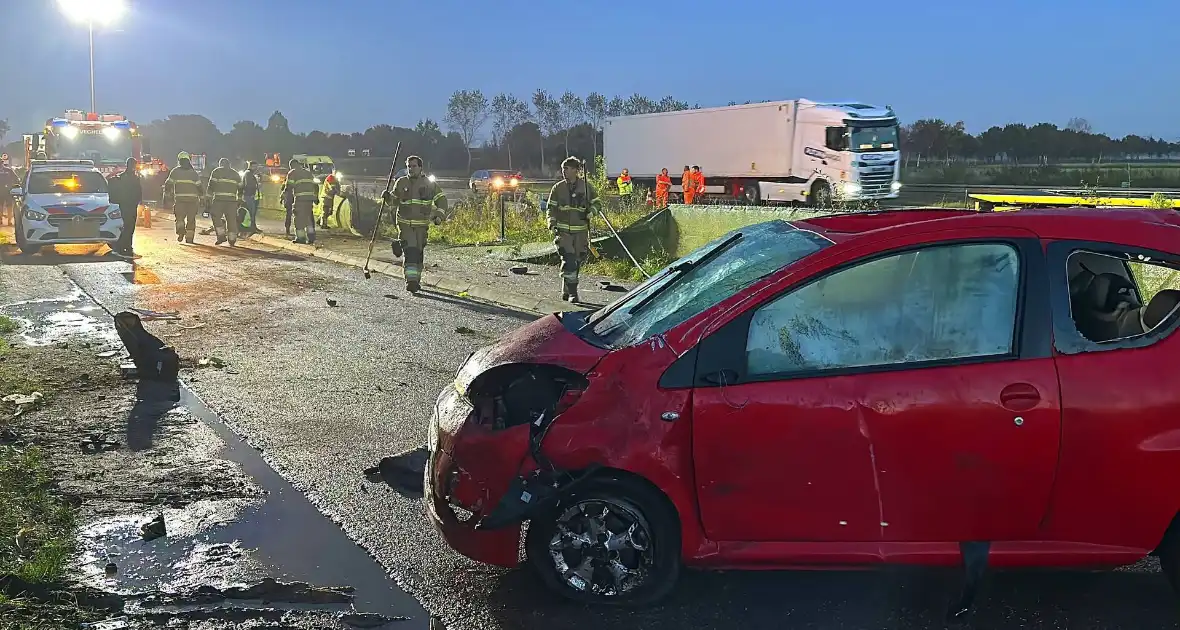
(446, 482)
(48, 231)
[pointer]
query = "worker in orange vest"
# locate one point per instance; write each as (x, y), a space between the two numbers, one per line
(663, 183)
(698, 180)
(687, 185)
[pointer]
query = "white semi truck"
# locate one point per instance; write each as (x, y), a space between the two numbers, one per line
(783, 151)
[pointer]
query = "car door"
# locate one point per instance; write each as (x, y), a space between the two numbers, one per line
(907, 393)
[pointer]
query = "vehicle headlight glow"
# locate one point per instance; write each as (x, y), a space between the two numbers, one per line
(275, 178)
(851, 188)
(896, 186)
(432, 178)
(498, 182)
(338, 174)
(34, 215)
(112, 133)
(515, 182)
(149, 171)
(69, 133)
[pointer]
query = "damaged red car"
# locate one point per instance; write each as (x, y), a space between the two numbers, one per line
(928, 387)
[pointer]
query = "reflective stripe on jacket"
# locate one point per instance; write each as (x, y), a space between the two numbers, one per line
(302, 184)
(184, 184)
(569, 210)
(224, 184)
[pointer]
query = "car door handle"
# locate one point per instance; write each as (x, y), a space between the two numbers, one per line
(1019, 397)
(728, 377)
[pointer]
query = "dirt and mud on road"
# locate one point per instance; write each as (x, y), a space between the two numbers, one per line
(127, 503)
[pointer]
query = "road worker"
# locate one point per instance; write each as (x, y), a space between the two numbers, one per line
(625, 186)
(569, 207)
(224, 190)
(305, 195)
(419, 202)
(687, 186)
(183, 189)
(698, 180)
(328, 193)
(663, 184)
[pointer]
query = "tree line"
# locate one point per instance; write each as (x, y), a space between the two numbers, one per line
(535, 134)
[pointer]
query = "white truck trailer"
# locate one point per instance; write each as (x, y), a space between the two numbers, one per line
(783, 151)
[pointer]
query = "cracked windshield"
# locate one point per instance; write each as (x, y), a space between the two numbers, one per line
(536, 344)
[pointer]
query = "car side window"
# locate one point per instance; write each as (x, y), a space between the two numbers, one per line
(1118, 296)
(931, 304)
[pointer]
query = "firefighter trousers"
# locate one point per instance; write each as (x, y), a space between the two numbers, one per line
(186, 219)
(225, 220)
(411, 239)
(574, 248)
(305, 220)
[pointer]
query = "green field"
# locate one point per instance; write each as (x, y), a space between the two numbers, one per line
(1139, 175)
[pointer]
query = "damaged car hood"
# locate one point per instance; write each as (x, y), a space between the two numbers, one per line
(548, 340)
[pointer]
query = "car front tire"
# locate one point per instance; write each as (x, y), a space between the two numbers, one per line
(611, 541)
(24, 246)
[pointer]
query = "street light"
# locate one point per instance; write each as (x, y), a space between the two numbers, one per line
(89, 12)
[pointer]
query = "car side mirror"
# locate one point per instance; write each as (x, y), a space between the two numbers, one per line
(17, 192)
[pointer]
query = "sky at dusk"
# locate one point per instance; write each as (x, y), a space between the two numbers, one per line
(346, 65)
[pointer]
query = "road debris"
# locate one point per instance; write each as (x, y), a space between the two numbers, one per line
(463, 330)
(194, 326)
(607, 285)
(213, 362)
(332, 303)
(23, 399)
(108, 354)
(150, 315)
(153, 529)
(98, 444)
(401, 472)
(519, 270)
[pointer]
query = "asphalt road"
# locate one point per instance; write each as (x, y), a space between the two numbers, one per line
(325, 391)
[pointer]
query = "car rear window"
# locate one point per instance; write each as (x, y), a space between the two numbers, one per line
(66, 182)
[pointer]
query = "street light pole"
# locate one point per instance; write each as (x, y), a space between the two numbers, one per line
(91, 23)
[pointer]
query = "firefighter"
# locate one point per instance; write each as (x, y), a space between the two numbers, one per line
(126, 190)
(687, 186)
(625, 186)
(305, 197)
(251, 192)
(420, 202)
(224, 189)
(698, 182)
(8, 181)
(663, 184)
(570, 203)
(184, 191)
(289, 205)
(328, 193)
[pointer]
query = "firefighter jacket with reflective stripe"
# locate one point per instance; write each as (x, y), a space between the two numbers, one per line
(184, 185)
(569, 207)
(224, 184)
(418, 199)
(302, 184)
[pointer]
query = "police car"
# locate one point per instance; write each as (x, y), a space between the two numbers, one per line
(65, 202)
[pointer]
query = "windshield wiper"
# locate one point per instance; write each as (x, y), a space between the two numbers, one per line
(685, 267)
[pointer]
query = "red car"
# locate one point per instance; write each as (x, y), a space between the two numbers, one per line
(928, 387)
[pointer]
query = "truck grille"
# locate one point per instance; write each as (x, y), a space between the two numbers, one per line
(876, 184)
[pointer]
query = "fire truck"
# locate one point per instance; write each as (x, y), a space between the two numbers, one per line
(106, 139)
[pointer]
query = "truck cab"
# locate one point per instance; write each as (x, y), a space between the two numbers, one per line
(852, 149)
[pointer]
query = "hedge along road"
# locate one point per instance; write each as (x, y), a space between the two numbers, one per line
(325, 391)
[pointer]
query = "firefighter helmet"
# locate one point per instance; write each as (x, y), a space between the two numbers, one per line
(183, 155)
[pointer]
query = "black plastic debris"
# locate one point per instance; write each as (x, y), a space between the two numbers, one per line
(153, 359)
(153, 529)
(519, 270)
(332, 303)
(402, 472)
(607, 285)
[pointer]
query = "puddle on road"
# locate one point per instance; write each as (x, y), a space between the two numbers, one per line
(213, 547)
(50, 321)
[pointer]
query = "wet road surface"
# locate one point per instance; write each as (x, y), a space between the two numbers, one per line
(325, 391)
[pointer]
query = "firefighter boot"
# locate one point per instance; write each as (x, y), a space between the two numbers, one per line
(396, 247)
(413, 286)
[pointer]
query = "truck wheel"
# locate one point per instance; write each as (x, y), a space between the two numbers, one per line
(1169, 555)
(751, 194)
(821, 195)
(610, 542)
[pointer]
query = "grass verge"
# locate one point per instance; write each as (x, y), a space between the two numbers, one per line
(624, 269)
(38, 524)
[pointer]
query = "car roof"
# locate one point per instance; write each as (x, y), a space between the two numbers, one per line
(1127, 225)
(64, 165)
